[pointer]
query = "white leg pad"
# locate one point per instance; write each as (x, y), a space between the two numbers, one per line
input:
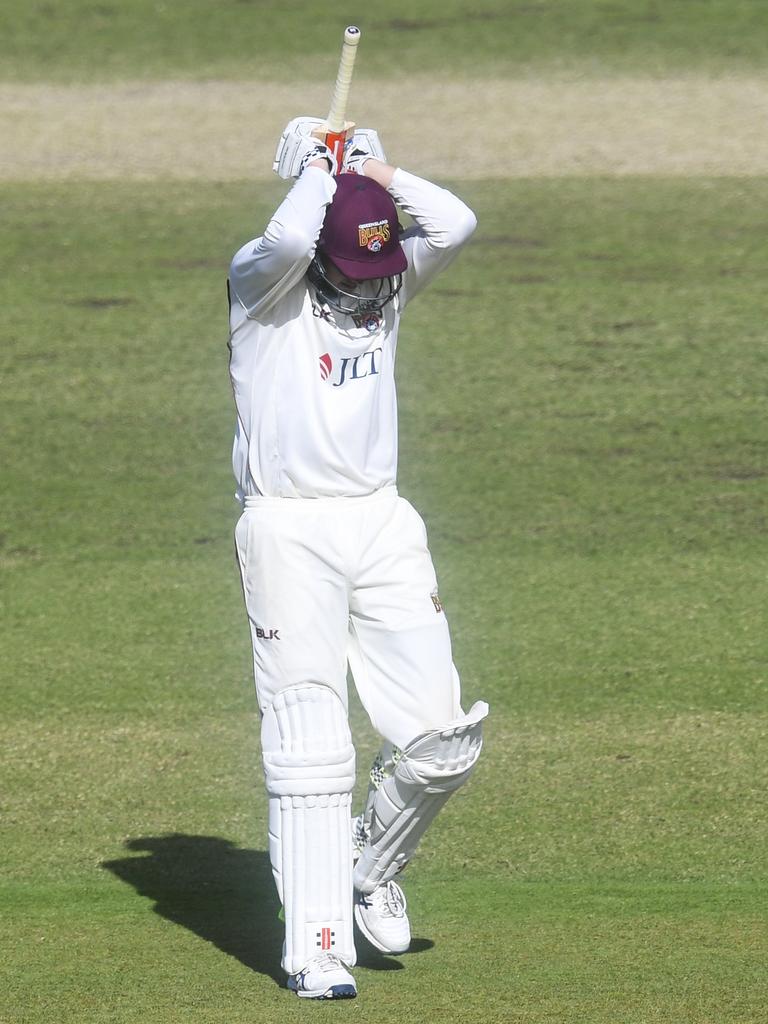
(309, 767)
(431, 768)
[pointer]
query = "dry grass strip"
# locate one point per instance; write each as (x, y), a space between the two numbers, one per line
(224, 131)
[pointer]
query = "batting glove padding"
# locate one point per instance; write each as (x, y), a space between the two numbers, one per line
(298, 147)
(364, 144)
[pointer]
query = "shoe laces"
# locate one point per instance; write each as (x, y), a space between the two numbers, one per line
(389, 900)
(324, 962)
(360, 836)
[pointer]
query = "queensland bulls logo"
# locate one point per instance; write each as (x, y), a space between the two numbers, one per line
(372, 236)
(326, 365)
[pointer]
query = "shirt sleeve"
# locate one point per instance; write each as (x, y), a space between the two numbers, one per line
(264, 269)
(443, 223)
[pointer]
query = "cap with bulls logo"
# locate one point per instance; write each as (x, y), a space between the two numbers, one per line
(361, 232)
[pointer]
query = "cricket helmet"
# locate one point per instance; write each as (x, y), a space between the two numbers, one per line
(361, 238)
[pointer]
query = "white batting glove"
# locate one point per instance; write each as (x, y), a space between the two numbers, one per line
(298, 147)
(363, 145)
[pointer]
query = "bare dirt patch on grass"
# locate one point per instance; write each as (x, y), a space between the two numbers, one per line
(225, 131)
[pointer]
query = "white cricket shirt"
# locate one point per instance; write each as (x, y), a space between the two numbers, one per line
(314, 393)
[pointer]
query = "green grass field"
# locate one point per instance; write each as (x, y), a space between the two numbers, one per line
(583, 428)
(78, 40)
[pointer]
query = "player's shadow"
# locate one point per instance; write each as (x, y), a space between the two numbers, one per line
(222, 893)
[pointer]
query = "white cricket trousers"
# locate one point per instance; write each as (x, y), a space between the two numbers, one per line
(336, 581)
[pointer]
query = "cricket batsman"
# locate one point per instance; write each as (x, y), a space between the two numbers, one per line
(335, 567)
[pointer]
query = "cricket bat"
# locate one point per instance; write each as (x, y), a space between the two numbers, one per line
(337, 128)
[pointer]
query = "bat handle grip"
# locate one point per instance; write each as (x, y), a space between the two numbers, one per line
(336, 115)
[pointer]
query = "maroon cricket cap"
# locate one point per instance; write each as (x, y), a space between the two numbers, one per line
(360, 232)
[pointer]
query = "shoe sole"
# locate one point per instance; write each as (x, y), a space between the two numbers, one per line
(334, 992)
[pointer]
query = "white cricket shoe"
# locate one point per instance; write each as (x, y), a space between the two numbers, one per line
(324, 977)
(382, 919)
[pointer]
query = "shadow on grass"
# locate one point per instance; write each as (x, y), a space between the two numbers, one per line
(206, 884)
(223, 894)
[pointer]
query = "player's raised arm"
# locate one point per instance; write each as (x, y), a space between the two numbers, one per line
(443, 223)
(266, 267)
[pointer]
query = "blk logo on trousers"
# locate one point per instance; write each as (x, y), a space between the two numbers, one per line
(267, 634)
